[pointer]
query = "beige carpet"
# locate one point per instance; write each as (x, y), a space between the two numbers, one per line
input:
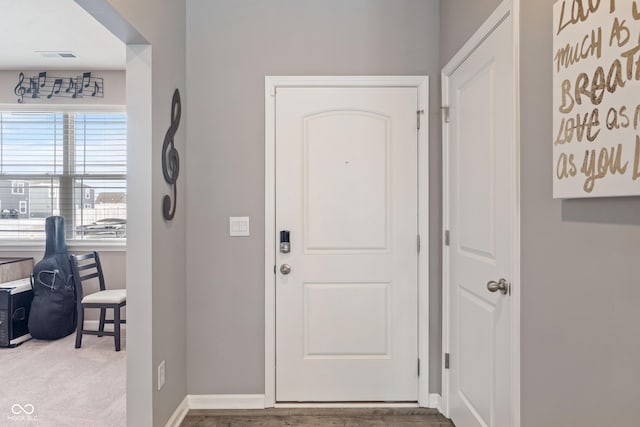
(67, 387)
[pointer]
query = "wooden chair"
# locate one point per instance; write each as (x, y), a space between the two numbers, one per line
(86, 267)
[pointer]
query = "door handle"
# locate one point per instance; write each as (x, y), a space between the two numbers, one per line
(501, 285)
(285, 269)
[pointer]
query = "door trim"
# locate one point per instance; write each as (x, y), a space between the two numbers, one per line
(504, 10)
(421, 83)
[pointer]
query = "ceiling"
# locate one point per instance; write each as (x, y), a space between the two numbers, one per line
(35, 32)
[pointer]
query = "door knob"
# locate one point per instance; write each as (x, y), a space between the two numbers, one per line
(501, 285)
(285, 269)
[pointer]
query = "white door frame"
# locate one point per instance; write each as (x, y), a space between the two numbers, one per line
(507, 8)
(421, 83)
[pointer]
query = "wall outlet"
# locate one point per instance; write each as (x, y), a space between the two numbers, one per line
(161, 375)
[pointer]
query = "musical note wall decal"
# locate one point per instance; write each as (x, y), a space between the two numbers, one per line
(42, 77)
(58, 87)
(34, 86)
(85, 77)
(72, 86)
(170, 158)
(96, 89)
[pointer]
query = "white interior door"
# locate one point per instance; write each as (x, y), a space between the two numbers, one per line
(481, 176)
(346, 190)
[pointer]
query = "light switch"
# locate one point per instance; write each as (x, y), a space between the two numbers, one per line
(238, 226)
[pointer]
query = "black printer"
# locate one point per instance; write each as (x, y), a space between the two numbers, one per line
(15, 300)
(15, 303)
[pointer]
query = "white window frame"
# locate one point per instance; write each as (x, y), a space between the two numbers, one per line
(16, 245)
(17, 187)
(21, 204)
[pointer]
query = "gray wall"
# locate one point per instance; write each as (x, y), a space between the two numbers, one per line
(156, 248)
(580, 291)
(459, 19)
(231, 46)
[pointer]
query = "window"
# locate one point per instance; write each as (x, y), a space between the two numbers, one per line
(68, 164)
(17, 187)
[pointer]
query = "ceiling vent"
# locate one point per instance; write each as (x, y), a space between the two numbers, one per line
(55, 54)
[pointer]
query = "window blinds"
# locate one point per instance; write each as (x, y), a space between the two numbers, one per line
(69, 164)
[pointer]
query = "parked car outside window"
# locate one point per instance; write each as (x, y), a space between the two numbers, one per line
(108, 227)
(9, 213)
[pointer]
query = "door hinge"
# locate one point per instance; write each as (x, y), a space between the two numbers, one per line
(418, 367)
(445, 113)
(274, 269)
(418, 120)
(446, 237)
(446, 361)
(419, 243)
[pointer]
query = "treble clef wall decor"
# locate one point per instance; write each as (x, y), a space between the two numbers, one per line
(170, 158)
(20, 90)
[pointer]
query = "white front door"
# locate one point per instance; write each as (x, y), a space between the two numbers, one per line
(346, 191)
(481, 182)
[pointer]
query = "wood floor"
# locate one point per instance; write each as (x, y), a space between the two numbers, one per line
(316, 418)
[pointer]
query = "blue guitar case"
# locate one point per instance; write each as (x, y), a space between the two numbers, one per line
(53, 310)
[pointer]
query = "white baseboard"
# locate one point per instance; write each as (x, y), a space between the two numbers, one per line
(226, 401)
(435, 401)
(346, 405)
(178, 415)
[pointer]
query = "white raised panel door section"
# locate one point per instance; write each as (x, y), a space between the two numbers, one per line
(346, 189)
(480, 156)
